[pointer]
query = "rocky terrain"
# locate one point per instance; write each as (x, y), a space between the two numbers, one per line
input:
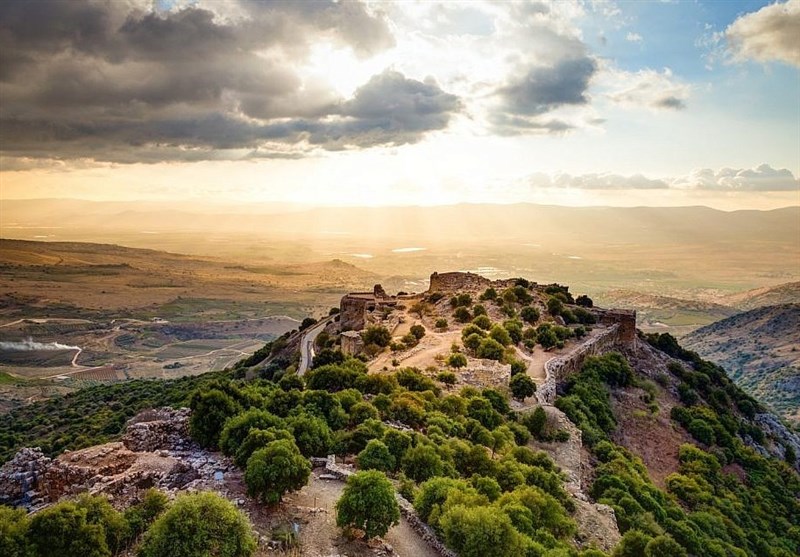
(760, 349)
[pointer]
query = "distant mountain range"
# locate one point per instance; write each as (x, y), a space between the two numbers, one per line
(760, 349)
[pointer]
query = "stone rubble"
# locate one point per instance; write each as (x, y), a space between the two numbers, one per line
(155, 451)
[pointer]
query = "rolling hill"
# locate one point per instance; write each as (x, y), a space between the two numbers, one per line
(760, 349)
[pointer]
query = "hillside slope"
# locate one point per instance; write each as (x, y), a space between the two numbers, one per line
(760, 349)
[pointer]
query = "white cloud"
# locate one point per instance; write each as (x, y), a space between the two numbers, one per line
(645, 88)
(770, 34)
(634, 37)
(763, 178)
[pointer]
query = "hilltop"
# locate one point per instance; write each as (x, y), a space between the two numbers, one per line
(627, 441)
(760, 349)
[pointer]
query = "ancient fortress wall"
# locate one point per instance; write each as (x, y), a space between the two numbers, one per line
(445, 282)
(621, 332)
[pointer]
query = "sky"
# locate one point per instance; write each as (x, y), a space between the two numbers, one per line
(381, 103)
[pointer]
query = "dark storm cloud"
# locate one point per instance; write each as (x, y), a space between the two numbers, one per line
(115, 81)
(527, 98)
(542, 89)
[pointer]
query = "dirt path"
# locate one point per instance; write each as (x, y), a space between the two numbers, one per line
(320, 536)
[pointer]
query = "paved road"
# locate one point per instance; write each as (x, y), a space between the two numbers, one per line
(307, 345)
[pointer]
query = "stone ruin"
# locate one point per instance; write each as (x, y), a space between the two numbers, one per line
(356, 306)
(445, 282)
(155, 451)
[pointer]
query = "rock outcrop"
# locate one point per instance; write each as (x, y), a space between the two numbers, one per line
(155, 451)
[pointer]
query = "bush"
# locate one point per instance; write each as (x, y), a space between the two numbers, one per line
(199, 525)
(210, 410)
(555, 306)
(478, 309)
(14, 524)
(312, 434)
(141, 515)
(446, 377)
(277, 468)
(490, 349)
(480, 531)
(489, 294)
(377, 335)
(376, 456)
(63, 529)
(522, 386)
(422, 462)
(702, 431)
(483, 322)
(529, 314)
(584, 301)
(462, 314)
(441, 323)
(457, 360)
(500, 334)
(368, 503)
(536, 422)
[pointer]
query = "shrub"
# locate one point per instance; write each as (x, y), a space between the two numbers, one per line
(462, 314)
(536, 422)
(457, 360)
(144, 513)
(702, 431)
(441, 323)
(490, 349)
(237, 428)
(447, 377)
(478, 309)
(312, 434)
(422, 462)
(480, 531)
(376, 456)
(277, 468)
(368, 503)
(377, 335)
(210, 410)
(483, 322)
(584, 301)
(64, 530)
(522, 386)
(14, 524)
(199, 525)
(555, 306)
(489, 294)
(529, 314)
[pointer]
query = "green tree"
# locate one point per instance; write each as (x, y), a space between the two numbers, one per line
(500, 334)
(664, 546)
(200, 525)
(418, 331)
(277, 468)
(441, 324)
(143, 514)
(632, 544)
(99, 511)
(522, 386)
(368, 503)
(536, 422)
(483, 322)
(490, 349)
(376, 456)
(422, 462)
(489, 294)
(473, 342)
(210, 410)
(14, 524)
(64, 530)
(377, 335)
(312, 434)
(237, 427)
(480, 531)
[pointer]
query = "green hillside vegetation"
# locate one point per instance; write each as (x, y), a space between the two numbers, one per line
(463, 460)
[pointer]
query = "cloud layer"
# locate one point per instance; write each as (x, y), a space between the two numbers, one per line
(113, 81)
(764, 178)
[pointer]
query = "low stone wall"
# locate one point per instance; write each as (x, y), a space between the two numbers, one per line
(447, 282)
(559, 368)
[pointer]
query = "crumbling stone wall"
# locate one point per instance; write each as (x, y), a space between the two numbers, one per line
(447, 282)
(559, 368)
(354, 307)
